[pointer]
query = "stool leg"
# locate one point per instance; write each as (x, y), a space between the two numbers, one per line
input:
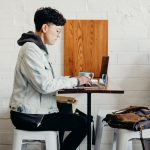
(114, 139)
(99, 131)
(58, 141)
(24, 146)
(130, 145)
(122, 139)
(147, 143)
(17, 142)
(43, 146)
(51, 141)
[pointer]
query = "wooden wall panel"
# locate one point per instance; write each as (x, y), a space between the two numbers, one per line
(85, 42)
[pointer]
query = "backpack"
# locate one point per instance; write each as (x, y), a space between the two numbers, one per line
(135, 118)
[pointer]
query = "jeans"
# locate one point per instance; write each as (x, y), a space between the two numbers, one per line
(55, 122)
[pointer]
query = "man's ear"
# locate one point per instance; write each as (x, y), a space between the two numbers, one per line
(44, 28)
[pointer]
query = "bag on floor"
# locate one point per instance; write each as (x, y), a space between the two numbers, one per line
(134, 118)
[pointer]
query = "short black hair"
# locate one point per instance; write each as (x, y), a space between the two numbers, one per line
(46, 15)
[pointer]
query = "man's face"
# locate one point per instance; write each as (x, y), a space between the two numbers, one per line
(52, 34)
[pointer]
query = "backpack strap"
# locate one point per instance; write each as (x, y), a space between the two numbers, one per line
(121, 110)
(130, 109)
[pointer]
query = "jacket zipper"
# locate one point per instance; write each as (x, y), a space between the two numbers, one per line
(40, 121)
(52, 71)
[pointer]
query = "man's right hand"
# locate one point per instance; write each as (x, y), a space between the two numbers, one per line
(84, 80)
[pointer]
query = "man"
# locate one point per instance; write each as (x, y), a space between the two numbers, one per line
(33, 101)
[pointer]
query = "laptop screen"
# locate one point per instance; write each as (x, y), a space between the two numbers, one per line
(104, 65)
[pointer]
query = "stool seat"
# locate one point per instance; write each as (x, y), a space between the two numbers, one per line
(50, 138)
(125, 137)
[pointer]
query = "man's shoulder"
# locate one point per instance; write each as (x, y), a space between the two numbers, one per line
(30, 47)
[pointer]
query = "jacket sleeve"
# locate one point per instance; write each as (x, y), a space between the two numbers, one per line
(33, 68)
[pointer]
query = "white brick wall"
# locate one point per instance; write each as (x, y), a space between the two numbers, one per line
(129, 51)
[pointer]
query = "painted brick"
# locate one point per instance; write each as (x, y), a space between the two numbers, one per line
(5, 147)
(12, 32)
(6, 45)
(19, 19)
(123, 45)
(4, 101)
(92, 15)
(133, 84)
(7, 18)
(133, 58)
(113, 58)
(67, 5)
(8, 58)
(4, 112)
(6, 137)
(6, 125)
(129, 71)
(101, 5)
(144, 45)
(118, 31)
(69, 15)
(11, 5)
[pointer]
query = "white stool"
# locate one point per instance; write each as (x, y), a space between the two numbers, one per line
(100, 127)
(50, 138)
(122, 139)
(125, 137)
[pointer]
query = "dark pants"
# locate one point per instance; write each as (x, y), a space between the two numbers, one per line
(67, 109)
(56, 122)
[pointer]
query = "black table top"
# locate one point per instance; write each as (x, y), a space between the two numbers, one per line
(100, 89)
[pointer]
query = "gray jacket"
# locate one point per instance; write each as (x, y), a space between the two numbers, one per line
(35, 87)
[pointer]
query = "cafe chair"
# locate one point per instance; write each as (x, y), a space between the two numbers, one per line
(50, 138)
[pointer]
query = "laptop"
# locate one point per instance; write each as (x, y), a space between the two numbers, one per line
(103, 73)
(104, 65)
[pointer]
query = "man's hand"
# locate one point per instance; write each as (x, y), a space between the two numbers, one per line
(84, 80)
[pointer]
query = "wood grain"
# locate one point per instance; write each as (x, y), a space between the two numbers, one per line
(85, 42)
